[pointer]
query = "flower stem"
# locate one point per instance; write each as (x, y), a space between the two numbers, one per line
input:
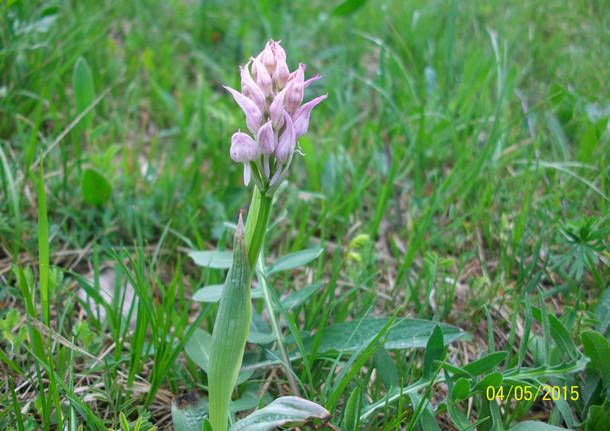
(256, 224)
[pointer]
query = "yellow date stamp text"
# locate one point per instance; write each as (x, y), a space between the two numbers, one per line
(529, 393)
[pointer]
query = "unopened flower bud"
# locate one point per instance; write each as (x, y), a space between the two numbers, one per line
(254, 116)
(287, 143)
(281, 74)
(279, 52)
(251, 90)
(263, 79)
(266, 138)
(268, 57)
(294, 89)
(276, 110)
(301, 117)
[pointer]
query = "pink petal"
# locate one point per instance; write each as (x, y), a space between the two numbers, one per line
(310, 80)
(301, 117)
(288, 141)
(254, 117)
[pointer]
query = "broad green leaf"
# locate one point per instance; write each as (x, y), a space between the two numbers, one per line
(189, 411)
(535, 426)
(461, 389)
(597, 349)
(493, 379)
(433, 353)
(457, 372)
(348, 6)
(84, 93)
(405, 334)
(198, 348)
(245, 403)
(260, 337)
(212, 259)
(294, 260)
(300, 296)
(95, 187)
(485, 364)
(282, 411)
(209, 293)
(386, 368)
(213, 292)
(356, 362)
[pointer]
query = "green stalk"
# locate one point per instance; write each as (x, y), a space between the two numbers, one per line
(256, 224)
(234, 311)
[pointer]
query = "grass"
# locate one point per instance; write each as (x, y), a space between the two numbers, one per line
(465, 144)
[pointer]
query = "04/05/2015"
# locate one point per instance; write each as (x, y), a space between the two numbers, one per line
(527, 392)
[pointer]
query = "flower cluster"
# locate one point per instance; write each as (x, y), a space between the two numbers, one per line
(271, 97)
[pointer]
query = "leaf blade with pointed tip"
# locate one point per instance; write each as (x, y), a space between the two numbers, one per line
(212, 259)
(95, 187)
(84, 92)
(282, 411)
(404, 334)
(294, 260)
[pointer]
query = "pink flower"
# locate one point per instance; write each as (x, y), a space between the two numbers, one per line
(301, 117)
(272, 99)
(243, 150)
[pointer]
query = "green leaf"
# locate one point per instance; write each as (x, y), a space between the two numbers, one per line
(603, 311)
(230, 332)
(386, 368)
(425, 417)
(210, 293)
(485, 364)
(294, 260)
(189, 411)
(198, 348)
(535, 426)
(300, 296)
(405, 334)
(212, 259)
(596, 348)
(558, 332)
(597, 419)
(207, 426)
(282, 411)
(348, 6)
(461, 389)
(84, 93)
(260, 337)
(434, 352)
(352, 411)
(95, 187)
(213, 292)
(493, 379)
